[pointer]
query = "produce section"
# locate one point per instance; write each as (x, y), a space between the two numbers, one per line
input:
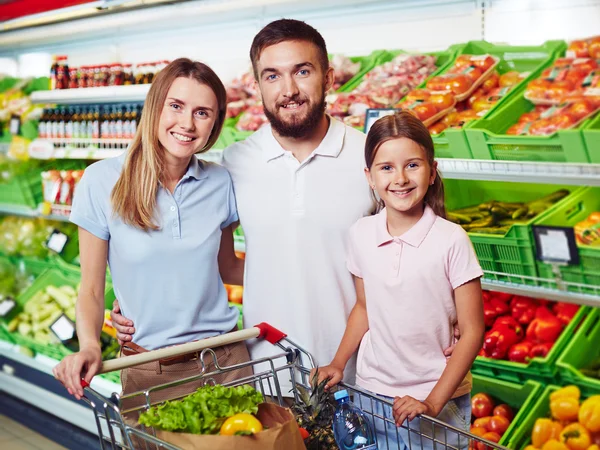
(517, 131)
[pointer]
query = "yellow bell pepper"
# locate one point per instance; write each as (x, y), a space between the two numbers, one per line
(530, 447)
(594, 447)
(589, 413)
(241, 423)
(553, 444)
(576, 437)
(565, 409)
(544, 430)
(567, 391)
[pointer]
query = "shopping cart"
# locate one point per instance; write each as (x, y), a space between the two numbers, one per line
(293, 362)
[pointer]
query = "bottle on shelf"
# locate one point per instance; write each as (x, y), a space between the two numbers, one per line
(42, 124)
(351, 428)
(134, 120)
(127, 123)
(119, 123)
(112, 123)
(52, 125)
(69, 124)
(76, 124)
(95, 120)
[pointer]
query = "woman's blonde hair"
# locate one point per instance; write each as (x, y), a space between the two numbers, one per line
(134, 196)
(404, 124)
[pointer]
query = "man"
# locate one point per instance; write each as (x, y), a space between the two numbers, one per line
(299, 185)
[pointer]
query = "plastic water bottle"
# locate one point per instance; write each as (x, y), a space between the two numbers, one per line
(351, 428)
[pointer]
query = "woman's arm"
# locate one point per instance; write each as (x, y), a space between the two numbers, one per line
(469, 309)
(358, 325)
(90, 315)
(231, 267)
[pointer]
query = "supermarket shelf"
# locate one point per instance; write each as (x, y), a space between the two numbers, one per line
(24, 211)
(109, 94)
(521, 171)
(579, 294)
(31, 380)
(77, 148)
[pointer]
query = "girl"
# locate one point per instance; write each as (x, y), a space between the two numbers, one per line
(416, 275)
(164, 222)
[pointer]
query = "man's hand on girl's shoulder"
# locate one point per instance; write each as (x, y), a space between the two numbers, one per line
(122, 324)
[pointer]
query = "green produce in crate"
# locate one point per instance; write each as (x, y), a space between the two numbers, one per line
(494, 217)
(21, 236)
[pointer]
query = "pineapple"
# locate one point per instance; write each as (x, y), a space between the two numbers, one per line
(314, 412)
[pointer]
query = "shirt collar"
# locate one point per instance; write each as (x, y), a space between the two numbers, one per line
(331, 145)
(196, 169)
(413, 237)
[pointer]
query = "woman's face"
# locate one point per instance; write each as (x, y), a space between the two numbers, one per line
(187, 118)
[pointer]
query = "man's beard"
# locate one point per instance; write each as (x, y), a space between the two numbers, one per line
(296, 128)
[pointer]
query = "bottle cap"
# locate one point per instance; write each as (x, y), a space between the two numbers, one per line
(339, 395)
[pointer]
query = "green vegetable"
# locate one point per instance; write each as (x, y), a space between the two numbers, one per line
(204, 411)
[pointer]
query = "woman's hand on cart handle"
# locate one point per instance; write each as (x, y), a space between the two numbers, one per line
(84, 364)
(122, 324)
(332, 372)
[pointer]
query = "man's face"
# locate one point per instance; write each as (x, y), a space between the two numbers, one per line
(293, 86)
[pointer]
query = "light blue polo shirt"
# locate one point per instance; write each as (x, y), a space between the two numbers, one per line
(167, 281)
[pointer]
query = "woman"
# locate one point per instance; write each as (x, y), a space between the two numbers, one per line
(164, 221)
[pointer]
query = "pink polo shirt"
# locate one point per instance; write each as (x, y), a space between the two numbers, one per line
(409, 285)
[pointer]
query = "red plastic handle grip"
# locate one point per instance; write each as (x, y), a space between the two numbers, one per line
(84, 383)
(271, 334)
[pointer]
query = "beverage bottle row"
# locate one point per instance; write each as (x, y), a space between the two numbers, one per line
(90, 122)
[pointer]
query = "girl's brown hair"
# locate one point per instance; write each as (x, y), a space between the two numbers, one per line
(399, 125)
(134, 196)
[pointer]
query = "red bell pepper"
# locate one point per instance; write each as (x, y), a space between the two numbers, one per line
(520, 352)
(540, 350)
(502, 296)
(545, 327)
(565, 311)
(492, 309)
(509, 322)
(523, 309)
(497, 342)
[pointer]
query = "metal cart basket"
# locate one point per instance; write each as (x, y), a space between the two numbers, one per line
(289, 362)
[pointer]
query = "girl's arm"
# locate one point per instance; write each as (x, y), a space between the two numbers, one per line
(231, 267)
(356, 328)
(90, 315)
(469, 308)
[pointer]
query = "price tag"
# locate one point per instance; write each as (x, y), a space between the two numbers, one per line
(374, 114)
(6, 306)
(556, 245)
(63, 328)
(57, 241)
(15, 125)
(40, 149)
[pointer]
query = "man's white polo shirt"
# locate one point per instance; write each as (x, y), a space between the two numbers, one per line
(296, 217)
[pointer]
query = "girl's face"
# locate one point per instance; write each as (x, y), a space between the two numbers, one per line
(187, 118)
(401, 175)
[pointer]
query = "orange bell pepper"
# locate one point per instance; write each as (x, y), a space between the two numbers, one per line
(565, 409)
(553, 444)
(589, 414)
(544, 430)
(567, 391)
(576, 437)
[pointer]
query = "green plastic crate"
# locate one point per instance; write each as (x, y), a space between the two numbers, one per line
(579, 353)
(591, 138)
(488, 140)
(453, 143)
(512, 254)
(540, 369)
(522, 437)
(53, 277)
(575, 209)
(240, 323)
(22, 190)
(226, 138)
(520, 398)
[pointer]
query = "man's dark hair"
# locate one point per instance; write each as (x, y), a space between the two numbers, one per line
(287, 30)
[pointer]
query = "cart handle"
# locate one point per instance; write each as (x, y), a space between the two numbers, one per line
(262, 330)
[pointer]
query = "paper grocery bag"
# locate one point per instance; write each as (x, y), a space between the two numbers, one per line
(281, 433)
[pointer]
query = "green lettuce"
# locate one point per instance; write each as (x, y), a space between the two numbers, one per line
(204, 411)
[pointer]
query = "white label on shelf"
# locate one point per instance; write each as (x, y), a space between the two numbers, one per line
(57, 241)
(7, 306)
(555, 246)
(63, 328)
(41, 149)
